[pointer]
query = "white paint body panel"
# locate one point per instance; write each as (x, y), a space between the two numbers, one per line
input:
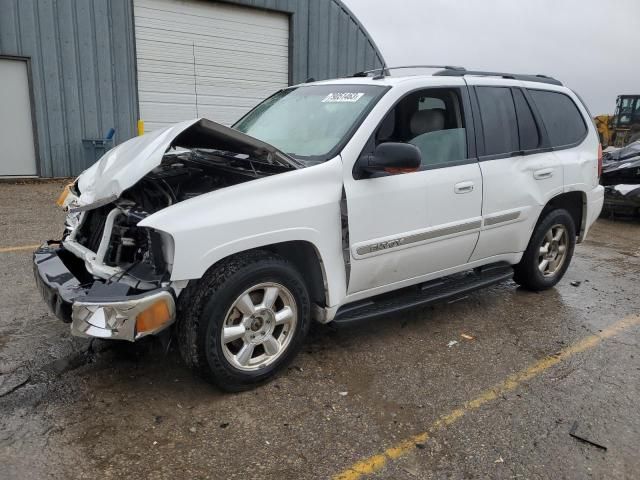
(304, 205)
(16, 129)
(206, 59)
(298, 205)
(122, 166)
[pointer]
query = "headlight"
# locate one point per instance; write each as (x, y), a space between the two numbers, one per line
(64, 197)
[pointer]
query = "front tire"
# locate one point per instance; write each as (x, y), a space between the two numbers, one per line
(549, 252)
(244, 320)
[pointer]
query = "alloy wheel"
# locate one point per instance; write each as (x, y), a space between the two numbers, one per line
(259, 326)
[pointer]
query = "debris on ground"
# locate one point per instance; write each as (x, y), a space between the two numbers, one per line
(452, 343)
(14, 384)
(573, 433)
(421, 445)
(499, 460)
(343, 394)
(575, 283)
(467, 336)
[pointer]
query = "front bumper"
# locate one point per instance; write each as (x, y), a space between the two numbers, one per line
(96, 308)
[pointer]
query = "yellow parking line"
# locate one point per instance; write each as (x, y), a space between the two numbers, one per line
(377, 462)
(18, 249)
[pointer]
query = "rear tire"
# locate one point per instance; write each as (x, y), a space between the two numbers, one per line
(244, 320)
(549, 252)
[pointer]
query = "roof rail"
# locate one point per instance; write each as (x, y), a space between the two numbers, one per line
(384, 70)
(514, 76)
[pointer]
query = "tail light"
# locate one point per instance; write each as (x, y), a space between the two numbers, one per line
(599, 160)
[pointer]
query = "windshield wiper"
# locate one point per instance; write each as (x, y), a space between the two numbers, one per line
(253, 163)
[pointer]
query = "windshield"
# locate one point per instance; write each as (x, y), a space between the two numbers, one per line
(310, 122)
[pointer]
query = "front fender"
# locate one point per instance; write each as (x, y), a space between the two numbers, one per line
(300, 205)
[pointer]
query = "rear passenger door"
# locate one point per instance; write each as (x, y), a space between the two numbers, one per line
(520, 172)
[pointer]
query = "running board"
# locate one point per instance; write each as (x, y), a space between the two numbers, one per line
(449, 289)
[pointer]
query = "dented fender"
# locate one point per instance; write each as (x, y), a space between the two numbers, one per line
(213, 226)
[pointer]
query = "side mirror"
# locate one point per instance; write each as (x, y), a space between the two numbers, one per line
(392, 157)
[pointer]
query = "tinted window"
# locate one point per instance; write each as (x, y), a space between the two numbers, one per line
(527, 128)
(498, 115)
(561, 117)
(432, 120)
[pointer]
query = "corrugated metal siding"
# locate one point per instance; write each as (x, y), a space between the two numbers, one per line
(83, 64)
(82, 70)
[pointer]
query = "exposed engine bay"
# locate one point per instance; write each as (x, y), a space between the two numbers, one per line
(116, 249)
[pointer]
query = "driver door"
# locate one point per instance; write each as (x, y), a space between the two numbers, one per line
(404, 227)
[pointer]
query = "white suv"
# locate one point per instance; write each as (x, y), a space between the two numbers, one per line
(334, 200)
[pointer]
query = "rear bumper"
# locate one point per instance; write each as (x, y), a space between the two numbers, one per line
(95, 308)
(595, 200)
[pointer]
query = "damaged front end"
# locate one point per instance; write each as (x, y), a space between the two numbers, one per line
(110, 277)
(621, 180)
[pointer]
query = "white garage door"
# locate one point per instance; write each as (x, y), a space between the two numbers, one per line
(16, 130)
(206, 59)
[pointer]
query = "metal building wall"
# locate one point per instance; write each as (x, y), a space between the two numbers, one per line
(82, 67)
(82, 64)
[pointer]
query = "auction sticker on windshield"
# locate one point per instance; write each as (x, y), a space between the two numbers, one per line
(343, 97)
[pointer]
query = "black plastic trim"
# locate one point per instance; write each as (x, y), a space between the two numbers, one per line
(434, 291)
(513, 76)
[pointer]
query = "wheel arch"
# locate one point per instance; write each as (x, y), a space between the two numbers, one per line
(573, 202)
(304, 256)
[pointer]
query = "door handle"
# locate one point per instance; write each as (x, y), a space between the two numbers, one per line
(542, 174)
(463, 187)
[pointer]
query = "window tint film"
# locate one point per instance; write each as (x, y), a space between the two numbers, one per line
(561, 117)
(527, 128)
(432, 120)
(498, 115)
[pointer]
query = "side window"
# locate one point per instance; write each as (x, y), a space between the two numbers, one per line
(433, 121)
(498, 115)
(562, 119)
(527, 128)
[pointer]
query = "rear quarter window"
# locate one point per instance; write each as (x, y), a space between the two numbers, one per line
(562, 119)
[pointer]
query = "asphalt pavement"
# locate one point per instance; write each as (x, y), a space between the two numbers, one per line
(502, 384)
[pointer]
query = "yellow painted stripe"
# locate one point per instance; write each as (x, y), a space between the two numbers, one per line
(18, 249)
(377, 462)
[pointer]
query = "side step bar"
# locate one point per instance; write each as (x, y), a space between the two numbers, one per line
(451, 288)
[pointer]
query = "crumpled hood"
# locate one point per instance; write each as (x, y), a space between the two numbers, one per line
(123, 166)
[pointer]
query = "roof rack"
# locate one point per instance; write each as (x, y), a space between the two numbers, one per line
(454, 71)
(384, 70)
(514, 76)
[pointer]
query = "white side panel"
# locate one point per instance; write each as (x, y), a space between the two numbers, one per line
(16, 130)
(298, 205)
(513, 197)
(206, 59)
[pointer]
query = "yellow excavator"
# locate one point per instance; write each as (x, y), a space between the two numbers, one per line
(623, 127)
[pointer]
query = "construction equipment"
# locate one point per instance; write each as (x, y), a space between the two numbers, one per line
(604, 124)
(624, 126)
